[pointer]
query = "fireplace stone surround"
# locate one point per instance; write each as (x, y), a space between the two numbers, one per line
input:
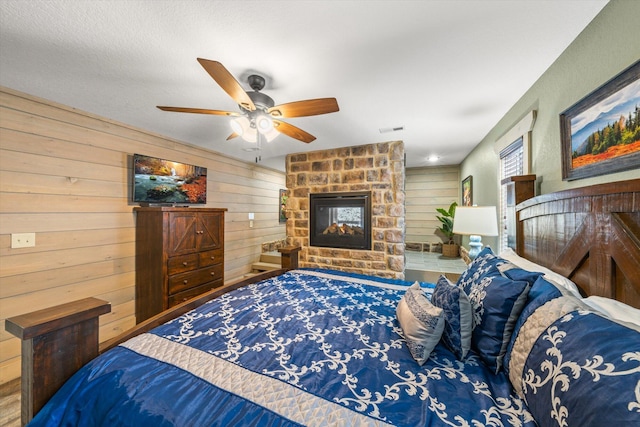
(375, 168)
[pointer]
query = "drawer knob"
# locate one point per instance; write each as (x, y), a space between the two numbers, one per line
(212, 258)
(185, 263)
(199, 232)
(213, 273)
(185, 281)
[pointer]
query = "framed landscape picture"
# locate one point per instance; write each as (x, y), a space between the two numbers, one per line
(467, 191)
(282, 205)
(601, 133)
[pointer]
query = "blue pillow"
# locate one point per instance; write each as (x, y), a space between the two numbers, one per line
(584, 370)
(539, 294)
(516, 273)
(485, 263)
(457, 315)
(422, 323)
(497, 302)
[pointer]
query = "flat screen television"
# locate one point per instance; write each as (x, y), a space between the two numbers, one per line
(158, 181)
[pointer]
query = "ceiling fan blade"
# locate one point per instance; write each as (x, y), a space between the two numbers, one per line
(309, 107)
(293, 131)
(233, 135)
(198, 111)
(228, 83)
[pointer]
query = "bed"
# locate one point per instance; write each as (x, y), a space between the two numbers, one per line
(513, 342)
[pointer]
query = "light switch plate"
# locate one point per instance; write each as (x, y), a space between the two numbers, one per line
(23, 240)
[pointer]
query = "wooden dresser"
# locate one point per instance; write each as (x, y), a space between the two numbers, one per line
(179, 254)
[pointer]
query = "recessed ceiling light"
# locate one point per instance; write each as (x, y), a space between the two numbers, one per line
(433, 158)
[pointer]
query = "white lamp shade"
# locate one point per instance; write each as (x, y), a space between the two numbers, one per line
(476, 220)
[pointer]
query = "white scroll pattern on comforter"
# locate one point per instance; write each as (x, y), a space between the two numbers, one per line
(342, 348)
(290, 402)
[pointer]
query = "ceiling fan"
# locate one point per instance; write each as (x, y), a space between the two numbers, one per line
(258, 112)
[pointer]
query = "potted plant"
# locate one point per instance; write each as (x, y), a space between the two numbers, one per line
(449, 248)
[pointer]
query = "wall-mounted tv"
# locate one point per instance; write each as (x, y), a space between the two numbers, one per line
(164, 182)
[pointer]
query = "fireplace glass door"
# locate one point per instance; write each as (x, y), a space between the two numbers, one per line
(340, 220)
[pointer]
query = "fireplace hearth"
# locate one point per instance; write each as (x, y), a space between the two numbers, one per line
(340, 220)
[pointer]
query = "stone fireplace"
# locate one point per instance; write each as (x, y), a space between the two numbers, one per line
(375, 169)
(340, 220)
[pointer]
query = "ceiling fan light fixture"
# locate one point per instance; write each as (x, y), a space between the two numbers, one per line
(271, 135)
(248, 127)
(264, 124)
(250, 135)
(239, 125)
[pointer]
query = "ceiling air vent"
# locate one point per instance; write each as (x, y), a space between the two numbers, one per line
(392, 129)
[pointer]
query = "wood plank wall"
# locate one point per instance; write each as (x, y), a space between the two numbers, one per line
(64, 174)
(425, 190)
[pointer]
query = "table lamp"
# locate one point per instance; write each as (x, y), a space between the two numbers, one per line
(475, 221)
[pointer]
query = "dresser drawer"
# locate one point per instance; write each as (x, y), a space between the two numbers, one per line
(178, 264)
(194, 292)
(211, 257)
(183, 281)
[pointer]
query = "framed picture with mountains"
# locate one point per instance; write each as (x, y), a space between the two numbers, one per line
(600, 134)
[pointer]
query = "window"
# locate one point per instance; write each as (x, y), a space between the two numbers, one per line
(511, 164)
(514, 150)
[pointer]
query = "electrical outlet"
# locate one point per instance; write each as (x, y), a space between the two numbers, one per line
(23, 240)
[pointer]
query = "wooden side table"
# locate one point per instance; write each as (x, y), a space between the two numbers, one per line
(289, 257)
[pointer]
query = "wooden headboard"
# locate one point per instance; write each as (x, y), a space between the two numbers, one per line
(590, 235)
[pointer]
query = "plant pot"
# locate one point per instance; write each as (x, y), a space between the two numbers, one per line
(450, 250)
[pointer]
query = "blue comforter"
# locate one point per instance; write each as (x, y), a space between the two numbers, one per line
(310, 347)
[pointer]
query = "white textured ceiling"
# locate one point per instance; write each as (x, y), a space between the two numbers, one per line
(445, 70)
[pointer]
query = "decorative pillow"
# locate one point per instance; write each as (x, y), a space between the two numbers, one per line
(486, 263)
(540, 293)
(584, 370)
(497, 302)
(422, 323)
(550, 275)
(532, 329)
(457, 315)
(514, 272)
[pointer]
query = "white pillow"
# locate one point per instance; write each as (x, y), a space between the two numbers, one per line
(422, 323)
(615, 310)
(553, 277)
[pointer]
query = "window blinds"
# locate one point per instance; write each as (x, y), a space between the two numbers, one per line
(511, 164)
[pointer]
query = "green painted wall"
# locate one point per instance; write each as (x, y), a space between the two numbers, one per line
(608, 45)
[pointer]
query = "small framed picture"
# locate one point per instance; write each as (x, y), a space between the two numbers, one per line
(467, 191)
(282, 216)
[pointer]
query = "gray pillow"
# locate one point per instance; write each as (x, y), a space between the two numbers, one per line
(422, 323)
